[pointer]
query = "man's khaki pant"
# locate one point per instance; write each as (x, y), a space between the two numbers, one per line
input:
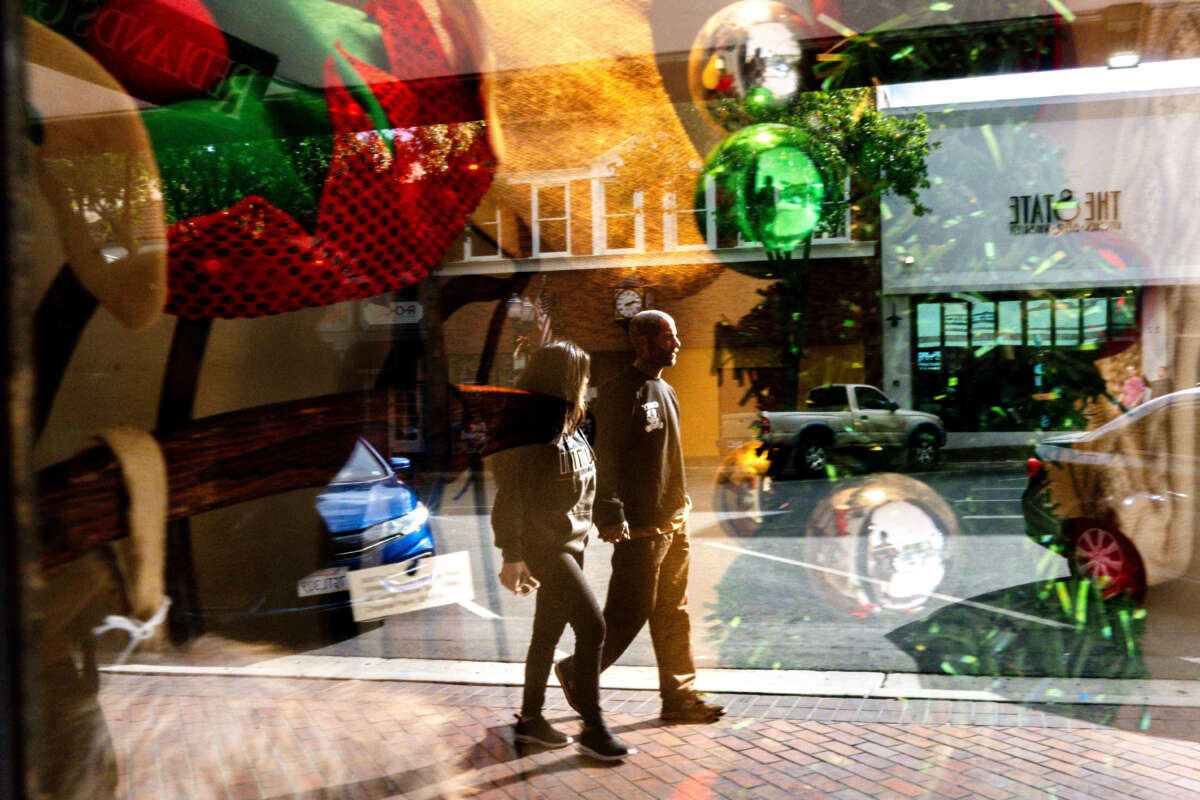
(649, 583)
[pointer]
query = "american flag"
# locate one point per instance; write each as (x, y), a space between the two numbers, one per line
(542, 318)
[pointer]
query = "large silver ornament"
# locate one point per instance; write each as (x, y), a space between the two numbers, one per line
(749, 57)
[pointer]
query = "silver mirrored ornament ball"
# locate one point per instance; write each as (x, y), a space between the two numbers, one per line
(747, 58)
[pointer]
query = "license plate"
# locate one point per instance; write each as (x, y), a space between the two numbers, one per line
(378, 592)
(323, 581)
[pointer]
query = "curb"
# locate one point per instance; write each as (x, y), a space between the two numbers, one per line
(813, 683)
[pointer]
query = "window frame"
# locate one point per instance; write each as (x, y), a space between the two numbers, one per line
(484, 226)
(601, 216)
(536, 219)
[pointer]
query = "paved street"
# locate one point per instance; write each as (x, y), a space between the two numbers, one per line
(766, 594)
(899, 703)
(184, 737)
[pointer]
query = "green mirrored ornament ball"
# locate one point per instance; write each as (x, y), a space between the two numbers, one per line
(767, 187)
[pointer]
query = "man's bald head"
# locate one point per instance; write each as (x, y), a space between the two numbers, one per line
(645, 324)
(655, 341)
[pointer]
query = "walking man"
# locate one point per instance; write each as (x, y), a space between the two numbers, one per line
(642, 508)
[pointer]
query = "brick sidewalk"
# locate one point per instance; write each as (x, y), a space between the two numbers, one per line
(192, 737)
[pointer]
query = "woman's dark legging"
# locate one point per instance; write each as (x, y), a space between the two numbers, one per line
(564, 597)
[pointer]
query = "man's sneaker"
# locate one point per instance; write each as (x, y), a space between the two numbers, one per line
(562, 672)
(536, 730)
(598, 743)
(691, 708)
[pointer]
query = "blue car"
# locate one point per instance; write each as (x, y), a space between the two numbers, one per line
(373, 518)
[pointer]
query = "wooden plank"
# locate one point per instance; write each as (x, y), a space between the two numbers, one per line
(243, 455)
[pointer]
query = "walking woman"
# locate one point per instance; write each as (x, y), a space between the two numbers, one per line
(541, 519)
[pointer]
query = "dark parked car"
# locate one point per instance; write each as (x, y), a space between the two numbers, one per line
(1119, 501)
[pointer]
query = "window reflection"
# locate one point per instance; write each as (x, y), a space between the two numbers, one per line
(306, 277)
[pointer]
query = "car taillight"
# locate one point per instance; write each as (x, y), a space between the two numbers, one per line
(1033, 466)
(764, 425)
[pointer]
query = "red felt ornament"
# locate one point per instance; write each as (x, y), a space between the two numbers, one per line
(392, 201)
(160, 50)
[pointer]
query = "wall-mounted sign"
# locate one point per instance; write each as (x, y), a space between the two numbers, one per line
(1009, 185)
(392, 312)
(1064, 212)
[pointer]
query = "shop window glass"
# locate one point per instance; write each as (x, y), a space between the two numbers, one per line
(1038, 316)
(954, 320)
(929, 325)
(983, 324)
(1095, 320)
(1066, 323)
(1122, 317)
(323, 410)
(1008, 322)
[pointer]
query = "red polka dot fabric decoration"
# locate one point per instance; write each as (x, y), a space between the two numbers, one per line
(392, 200)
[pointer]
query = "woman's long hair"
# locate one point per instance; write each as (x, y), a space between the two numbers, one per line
(559, 370)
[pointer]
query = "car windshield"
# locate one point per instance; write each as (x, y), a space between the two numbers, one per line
(364, 464)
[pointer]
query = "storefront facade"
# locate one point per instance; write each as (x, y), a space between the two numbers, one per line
(1020, 300)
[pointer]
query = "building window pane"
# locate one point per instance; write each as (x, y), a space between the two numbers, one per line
(552, 207)
(954, 319)
(983, 324)
(1095, 320)
(1008, 321)
(619, 233)
(552, 202)
(483, 236)
(622, 217)
(481, 246)
(553, 235)
(1123, 317)
(929, 325)
(1066, 322)
(1038, 315)
(689, 197)
(836, 227)
(691, 218)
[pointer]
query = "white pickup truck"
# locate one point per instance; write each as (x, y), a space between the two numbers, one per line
(843, 417)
